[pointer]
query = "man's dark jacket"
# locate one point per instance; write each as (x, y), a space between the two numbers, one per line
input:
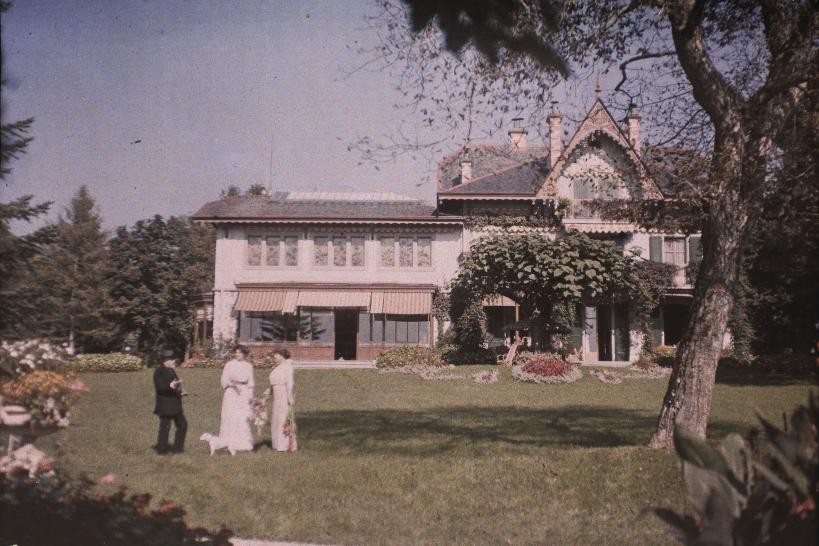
(168, 400)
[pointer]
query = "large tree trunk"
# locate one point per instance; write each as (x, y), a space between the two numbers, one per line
(687, 400)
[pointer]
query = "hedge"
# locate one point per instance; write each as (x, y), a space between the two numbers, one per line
(109, 362)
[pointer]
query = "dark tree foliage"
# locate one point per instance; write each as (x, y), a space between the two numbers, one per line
(158, 268)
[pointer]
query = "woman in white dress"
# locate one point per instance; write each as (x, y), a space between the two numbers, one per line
(237, 384)
(282, 426)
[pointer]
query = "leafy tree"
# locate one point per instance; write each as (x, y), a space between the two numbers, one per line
(257, 189)
(554, 276)
(66, 293)
(159, 267)
(735, 73)
(15, 250)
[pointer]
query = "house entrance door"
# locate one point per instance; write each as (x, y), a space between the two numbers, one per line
(346, 333)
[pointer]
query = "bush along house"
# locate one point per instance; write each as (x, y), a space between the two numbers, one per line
(336, 276)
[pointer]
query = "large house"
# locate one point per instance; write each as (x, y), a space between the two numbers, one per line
(344, 276)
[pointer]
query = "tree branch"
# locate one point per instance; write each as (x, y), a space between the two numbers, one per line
(624, 65)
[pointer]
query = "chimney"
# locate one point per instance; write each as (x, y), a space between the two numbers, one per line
(555, 137)
(633, 119)
(466, 167)
(517, 134)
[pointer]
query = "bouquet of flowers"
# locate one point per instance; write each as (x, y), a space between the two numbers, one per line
(258, 411)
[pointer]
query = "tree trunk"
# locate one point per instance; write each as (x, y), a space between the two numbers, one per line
(687, 400)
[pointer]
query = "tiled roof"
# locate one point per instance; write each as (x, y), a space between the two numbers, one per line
(486, 160)
(280, 207)
(524, 179)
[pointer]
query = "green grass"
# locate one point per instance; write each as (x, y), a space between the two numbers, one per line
(393, 459)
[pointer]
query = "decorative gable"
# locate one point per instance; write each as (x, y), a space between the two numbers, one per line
(599, 153)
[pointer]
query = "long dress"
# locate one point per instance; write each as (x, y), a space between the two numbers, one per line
(281, 381)
(236, 411)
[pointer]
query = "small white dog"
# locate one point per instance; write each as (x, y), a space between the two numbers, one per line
(215, 442)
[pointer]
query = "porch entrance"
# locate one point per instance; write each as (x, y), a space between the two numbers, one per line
(613, 339)
(346, 321)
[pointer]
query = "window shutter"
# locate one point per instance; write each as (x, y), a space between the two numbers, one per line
(655, 248)
(694, 249)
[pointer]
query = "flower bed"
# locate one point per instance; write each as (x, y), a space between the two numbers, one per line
(46, 394)
(109, 362)
(409, 355)
(546, 369)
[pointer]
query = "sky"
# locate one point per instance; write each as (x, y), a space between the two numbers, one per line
(159, 105)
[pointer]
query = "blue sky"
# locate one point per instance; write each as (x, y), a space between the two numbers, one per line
(205, 87)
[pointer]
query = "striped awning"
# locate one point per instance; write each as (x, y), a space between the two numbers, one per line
(333, 298)
(261, 300)
(498, 301)
(401, 303)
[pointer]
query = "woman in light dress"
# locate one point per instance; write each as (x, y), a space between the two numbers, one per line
(281, 385)
(237, 384)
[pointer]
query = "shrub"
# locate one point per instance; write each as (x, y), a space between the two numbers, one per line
(546, 369)
(751, 491)
(661, 355)
(204, 362)
(47, 395)
(784, 363)
(52, 511)
(108, 362)
(476, 356)
(409, 355)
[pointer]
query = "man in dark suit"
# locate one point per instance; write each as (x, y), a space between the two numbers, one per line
(168, 407)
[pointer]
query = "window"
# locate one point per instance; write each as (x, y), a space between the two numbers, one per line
(339, 251)
(387, 252)
(317, 325)
(267, 250)
(321, 252)
(291, 251)
(335, 251)
(254, 250)
(275, 327)
(357, 251)
(424, 252)
(674, 251)
(272, 251)
(393, 329)
(409, 252)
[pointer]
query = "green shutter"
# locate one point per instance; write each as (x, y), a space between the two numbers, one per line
(656, 327)
(576, 335)
(591, 327)
(655, 248)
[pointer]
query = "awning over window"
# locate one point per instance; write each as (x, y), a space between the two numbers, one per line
(401, 303)
(261, 300)
(286, 301)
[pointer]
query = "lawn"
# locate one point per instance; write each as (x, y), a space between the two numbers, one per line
(394, 459)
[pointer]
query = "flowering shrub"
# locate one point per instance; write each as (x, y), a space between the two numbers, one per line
(47, 395)
(203, 362)
(428, 373)
(546, 369)
(663, 355)
(110, 362)
(409, 355)
(21, 357)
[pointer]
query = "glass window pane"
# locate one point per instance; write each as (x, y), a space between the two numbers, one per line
(412, 331)
(320, 251)
(389, 329)
(363, 327)
(254, 250)
(272, 258)
(387, 252)
(291, 251)
(305, 324)
(424, 252)
(378, 328)
(405, 252)
(339, 251)
(423, 332)
(323, 325)
(357, 251)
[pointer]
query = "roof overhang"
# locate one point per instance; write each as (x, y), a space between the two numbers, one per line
(229, 220)
(490, 197)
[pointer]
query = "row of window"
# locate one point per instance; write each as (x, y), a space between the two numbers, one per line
(339, 251)
(318, 326)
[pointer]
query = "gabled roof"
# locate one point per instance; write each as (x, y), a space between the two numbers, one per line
(487, 159)
(600, 121)
(284, 207)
